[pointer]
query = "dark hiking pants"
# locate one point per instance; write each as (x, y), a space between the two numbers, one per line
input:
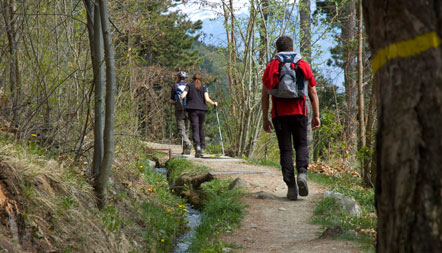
(197, 122)
(290, 129)
(182, 121)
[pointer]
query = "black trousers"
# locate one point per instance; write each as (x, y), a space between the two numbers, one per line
(290, 129)
(197, 122)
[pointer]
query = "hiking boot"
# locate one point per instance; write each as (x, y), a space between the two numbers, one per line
(186, 151)
(197, 151)
(292, 193)
(202, 153)
(302, 184)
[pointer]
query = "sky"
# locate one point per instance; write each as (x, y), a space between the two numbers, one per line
(213, 32)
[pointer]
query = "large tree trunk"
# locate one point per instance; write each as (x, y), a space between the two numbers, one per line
(103, 176)
(405, 39)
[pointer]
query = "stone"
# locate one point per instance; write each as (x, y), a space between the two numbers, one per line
(349, 205)
(152, 164)
(263, 195)
(282, 209)
(239, 183)
(331, 232)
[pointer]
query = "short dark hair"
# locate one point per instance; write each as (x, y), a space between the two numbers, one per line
(284, 44)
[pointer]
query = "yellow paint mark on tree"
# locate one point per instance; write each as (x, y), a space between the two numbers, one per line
(405, 49)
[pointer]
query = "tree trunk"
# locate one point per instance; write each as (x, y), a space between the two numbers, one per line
(370, 163)
(99, 82)
(9, 9)
(361, 110)
(348, 36)
(108, 136)
(405, 41)
(306, 53)
(96, 45)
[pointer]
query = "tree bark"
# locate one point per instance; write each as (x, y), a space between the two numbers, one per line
(405, 41)
(348, 37)
(305, 46)
(9, 9)
(108, 136)
(99, 82)
(361, 110)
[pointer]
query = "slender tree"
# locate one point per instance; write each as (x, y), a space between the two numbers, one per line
(108, 134)
(348, 38)
(101, 41)
(9, 9)
(305, 45)
(361, 108)
(405, 39)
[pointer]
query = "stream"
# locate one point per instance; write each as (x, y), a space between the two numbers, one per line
(193, 217)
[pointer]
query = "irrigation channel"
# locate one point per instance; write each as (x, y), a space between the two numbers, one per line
(193, 217)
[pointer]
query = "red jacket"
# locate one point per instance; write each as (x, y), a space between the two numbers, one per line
(286, 107)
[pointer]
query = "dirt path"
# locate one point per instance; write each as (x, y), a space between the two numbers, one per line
(272, 225)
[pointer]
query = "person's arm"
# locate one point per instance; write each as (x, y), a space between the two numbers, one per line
(208, 100)
(316, 122)
(267, 125)
(184, 94)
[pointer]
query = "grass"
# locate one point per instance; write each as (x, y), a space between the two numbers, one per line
(223, 211)
(180, 166)
(264, 162)
(328, 213)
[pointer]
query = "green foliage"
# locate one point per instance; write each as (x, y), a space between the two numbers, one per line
(179, 166)
(156, 35)
(264, 162)
(163, 215)
(223, 211)
(328, 144)
(112, 219)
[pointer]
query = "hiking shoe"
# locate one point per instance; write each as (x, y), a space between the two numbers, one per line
(186, 151)
(302, 184)
(292, 193)
(202, 153)
(197, 151)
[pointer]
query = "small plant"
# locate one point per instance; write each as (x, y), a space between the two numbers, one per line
(112, 219)
(67, 202)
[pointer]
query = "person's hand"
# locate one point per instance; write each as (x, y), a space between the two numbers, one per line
(215, 104)
(316, 122)
(267, 125)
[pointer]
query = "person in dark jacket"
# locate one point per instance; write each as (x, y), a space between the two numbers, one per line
(181, 117)
(197, 96)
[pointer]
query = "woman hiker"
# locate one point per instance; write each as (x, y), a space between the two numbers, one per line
(197, 96)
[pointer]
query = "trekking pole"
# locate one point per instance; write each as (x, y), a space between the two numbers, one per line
(183, 130)
(219, 129)
(170, 125)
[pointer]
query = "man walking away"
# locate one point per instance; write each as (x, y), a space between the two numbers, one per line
(180, 112)
(289, 80)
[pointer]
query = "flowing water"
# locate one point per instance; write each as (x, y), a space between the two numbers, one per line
(193, 217)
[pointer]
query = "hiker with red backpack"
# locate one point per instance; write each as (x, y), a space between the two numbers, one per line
(197, 95)
(289, 79)
(181, 116)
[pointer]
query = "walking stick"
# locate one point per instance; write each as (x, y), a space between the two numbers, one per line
(170, 125)
(219, 129)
